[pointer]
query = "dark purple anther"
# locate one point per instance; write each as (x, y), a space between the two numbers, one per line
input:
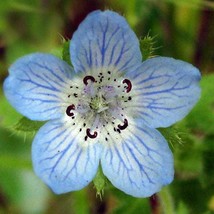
(86, 78)
(122, 127)
(91, 135)
(69, 110)
(129, 85)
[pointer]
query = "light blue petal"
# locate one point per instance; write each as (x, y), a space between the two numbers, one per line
(61, 160)
(35, 85)
(164, 91)
(104, 40)
(140, 163)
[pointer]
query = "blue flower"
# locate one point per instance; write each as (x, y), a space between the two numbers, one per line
(104, 110)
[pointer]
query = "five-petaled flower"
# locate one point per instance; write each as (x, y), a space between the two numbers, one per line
(104, 110)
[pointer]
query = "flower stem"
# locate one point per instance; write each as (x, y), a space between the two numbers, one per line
(166, 201)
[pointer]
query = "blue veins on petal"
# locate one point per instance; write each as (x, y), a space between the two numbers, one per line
(104, 40)
(166, 90)
(35, 85)
(60, 160)
(140, 162)
(107, 113)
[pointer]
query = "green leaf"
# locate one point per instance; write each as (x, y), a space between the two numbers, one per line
(66, 52)
(186, 148)
(27, 125)
(166, 201)
(188, 158)
(147, 46)
(173, 135)
(100, 182)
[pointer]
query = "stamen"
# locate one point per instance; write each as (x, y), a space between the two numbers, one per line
(129, 85)
(69, 109)
(86, 78)
(122, 127)
(75, 95)
(91, 135)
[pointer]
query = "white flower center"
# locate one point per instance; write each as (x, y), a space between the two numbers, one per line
(98, 104)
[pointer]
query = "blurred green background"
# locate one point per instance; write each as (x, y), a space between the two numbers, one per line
(182, 29)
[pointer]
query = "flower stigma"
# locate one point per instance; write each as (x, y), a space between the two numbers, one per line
(98, 103)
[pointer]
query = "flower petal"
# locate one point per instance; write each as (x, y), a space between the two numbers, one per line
(61, 160)
(35, 84)
(164, 91)
(140, 162)
(104, 40)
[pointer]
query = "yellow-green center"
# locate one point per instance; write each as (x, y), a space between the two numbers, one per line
(98, 104)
